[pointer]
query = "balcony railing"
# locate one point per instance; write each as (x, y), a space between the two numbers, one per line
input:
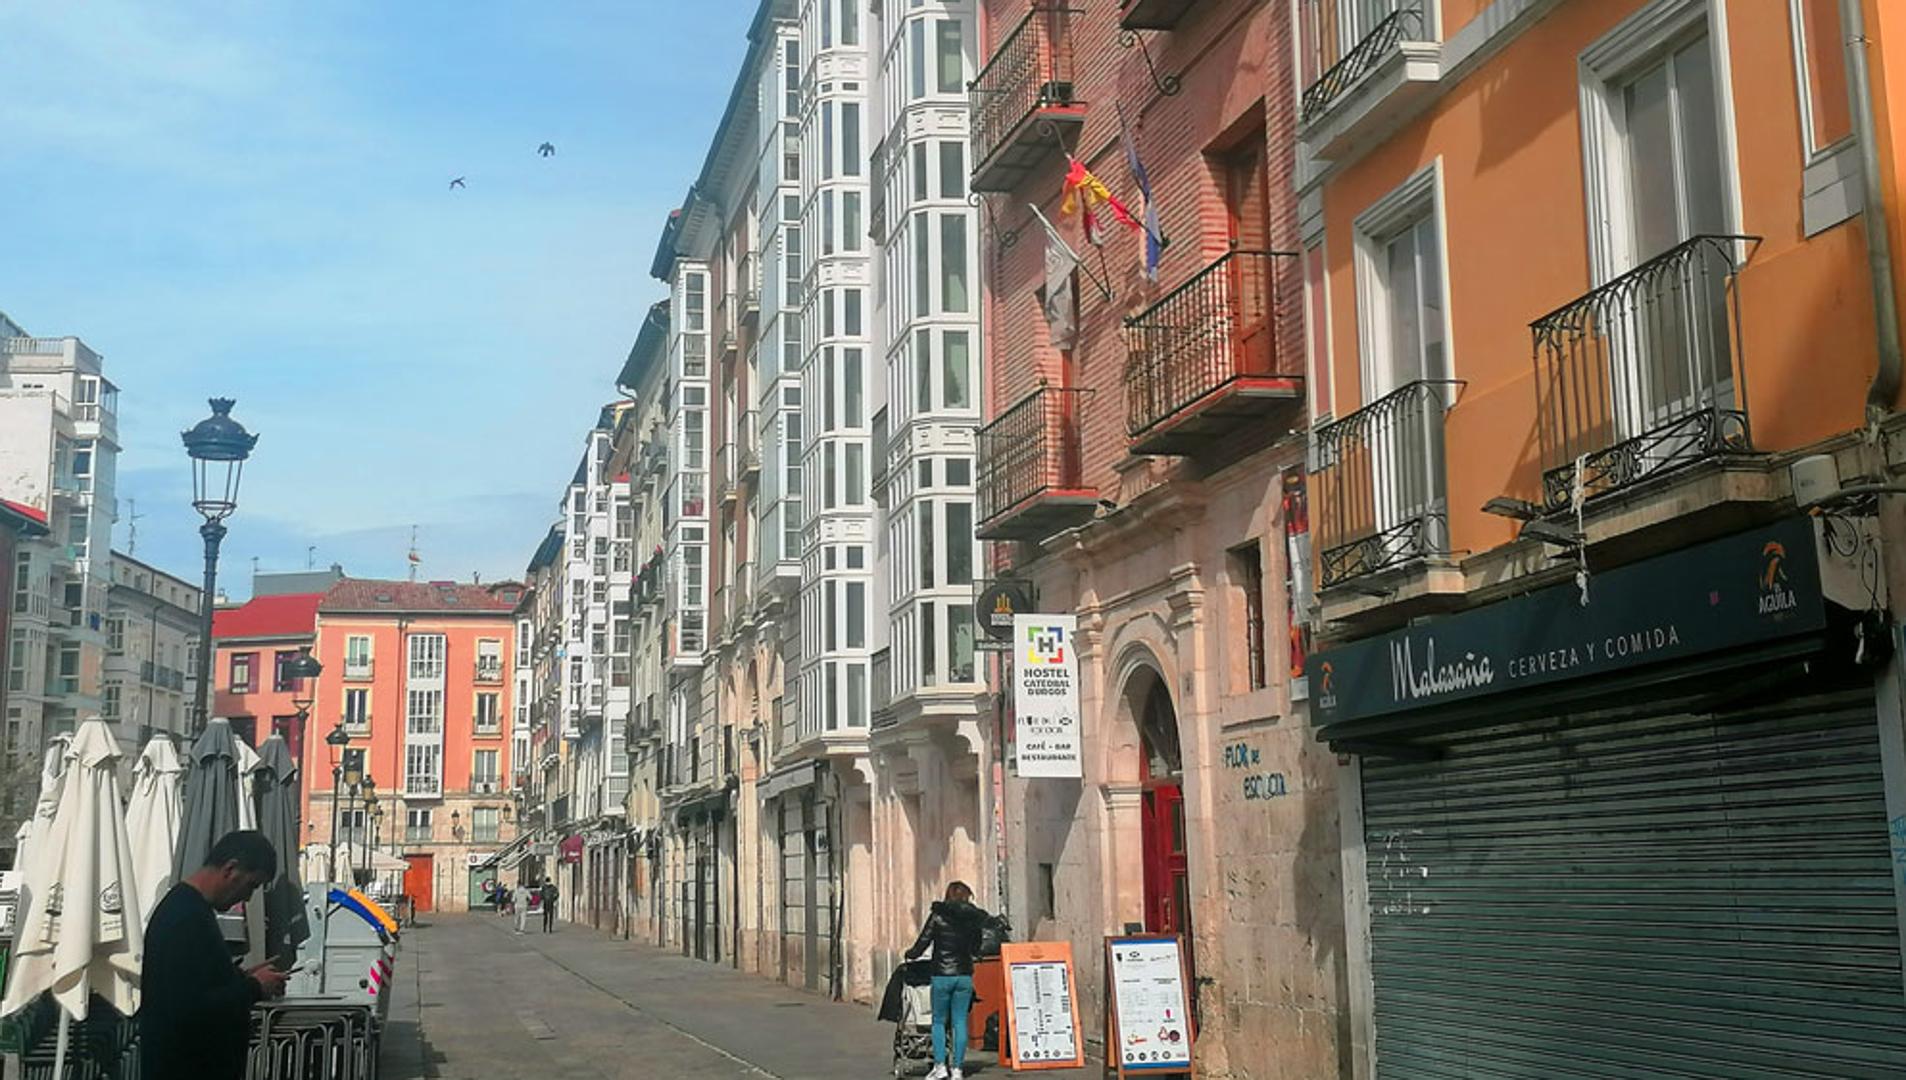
(1205, 359)
(1379, 485)
(423, 786)
(357, 669)
(1031, 479)
(1643, 375)
(1022, 98)
(1347, 39)
(489, 671)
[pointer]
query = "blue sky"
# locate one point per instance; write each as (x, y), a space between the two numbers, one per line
(250, 199)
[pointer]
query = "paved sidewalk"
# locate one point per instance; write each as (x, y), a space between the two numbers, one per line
(475, 1001)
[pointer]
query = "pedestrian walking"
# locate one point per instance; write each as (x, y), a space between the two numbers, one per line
(550, 895)
(520, 899)
(195, 1020)
(953, 931)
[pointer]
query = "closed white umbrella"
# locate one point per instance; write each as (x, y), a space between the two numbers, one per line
(77, 937)
(248, 762)
(152, 821)
(52, 773)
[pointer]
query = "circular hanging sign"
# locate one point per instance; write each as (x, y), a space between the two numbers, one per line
(998, 603)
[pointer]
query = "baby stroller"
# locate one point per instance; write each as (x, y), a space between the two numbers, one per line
(913, 1029)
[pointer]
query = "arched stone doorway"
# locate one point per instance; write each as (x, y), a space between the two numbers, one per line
(1162, 805)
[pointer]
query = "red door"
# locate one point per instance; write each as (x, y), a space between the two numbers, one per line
(419, 881)
(1247, 220)
(1167, 880)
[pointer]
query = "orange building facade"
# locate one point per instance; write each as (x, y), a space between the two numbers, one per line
(1604, 392)
(420, 675)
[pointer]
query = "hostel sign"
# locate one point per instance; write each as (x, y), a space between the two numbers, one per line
(1760, 585)
(1046, 696)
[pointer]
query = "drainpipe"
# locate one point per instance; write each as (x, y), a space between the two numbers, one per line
(1879, 240)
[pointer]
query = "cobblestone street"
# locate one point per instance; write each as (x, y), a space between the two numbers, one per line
(475, 1001)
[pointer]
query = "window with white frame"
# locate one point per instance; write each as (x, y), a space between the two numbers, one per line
(417, 825)
(484, 773)
(486, 823)
(489, 659)
(357, 656)
(489, 716)
(426, 656)
(423, 769)
(424, 716)
(1403, 314)
(357, 707)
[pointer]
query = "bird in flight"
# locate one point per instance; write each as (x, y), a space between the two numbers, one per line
(547, 149)
(457, 183)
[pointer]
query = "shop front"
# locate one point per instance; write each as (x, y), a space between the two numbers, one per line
(1637, 831)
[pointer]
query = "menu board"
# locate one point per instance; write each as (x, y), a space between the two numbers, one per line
(1150, 1023)
(1042, 1007)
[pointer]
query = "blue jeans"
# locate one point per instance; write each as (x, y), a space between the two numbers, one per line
(952, 997)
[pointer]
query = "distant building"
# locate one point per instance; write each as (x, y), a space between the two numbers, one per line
(152, 627)
(16, 766)
(256, 641)
(287, 582)
(59, 447)
(420, 674)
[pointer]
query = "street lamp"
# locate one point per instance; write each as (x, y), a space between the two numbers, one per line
(376, 816)
(456, 824)
(218, 446)
(337, 740)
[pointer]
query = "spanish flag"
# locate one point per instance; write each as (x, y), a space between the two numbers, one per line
(1084, 192)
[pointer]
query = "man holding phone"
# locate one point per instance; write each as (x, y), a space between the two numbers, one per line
(195, 1011)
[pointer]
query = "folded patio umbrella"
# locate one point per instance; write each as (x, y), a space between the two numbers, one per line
(33, 829)
(152, 821)
(78, 938)
(277, 786)
(211, 797)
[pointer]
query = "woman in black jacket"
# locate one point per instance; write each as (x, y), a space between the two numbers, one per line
(952, 931)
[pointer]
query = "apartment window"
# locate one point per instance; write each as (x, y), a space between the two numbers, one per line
(958, 518)
(929, 644)
(957, 367)
(1819, 50)
(791, 80)
(424, 715)
(853, 230)
(953, 296)
(850, 139)
(952, 170)
(417, 825)
(950, 66)
(69, 669)
(116, 635)
(1247, 569)
(694, 306)
(240, 681)
(423, 769)
(357, 656)
(856, 615)
(483, 768)
(922, 265)
(849, 22)
(109, 703)
(1400, 260)
(426, 656)
(489, 716)
(486, 824)
(357, 707)
(282, 680)
(917, 57)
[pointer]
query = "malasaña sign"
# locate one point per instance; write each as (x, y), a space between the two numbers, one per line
(1759, 585)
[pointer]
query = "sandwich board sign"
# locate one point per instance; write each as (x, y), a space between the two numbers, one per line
(1042, 1006)
(1148, 1028)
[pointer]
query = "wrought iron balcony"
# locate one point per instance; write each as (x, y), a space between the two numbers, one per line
(1643, 375)
(1348, 39)
(1031, 479)
(1205, 361)
(1153, 14)
(1378, 484)
(1022, 100)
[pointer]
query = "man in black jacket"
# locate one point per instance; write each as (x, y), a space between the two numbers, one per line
(195, 1005)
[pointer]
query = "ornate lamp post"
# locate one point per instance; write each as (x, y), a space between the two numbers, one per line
(218, 446)
(337, 740)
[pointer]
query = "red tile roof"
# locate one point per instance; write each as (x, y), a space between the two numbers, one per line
(294, 615)
(368, 594)
(22, 518)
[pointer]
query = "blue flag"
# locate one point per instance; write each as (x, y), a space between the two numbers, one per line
(1147, 209)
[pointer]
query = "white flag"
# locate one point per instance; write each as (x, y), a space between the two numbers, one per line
(1061, 303)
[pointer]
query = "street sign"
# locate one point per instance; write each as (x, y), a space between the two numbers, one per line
(998, 603)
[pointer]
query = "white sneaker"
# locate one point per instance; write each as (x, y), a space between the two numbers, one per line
(956, 1074)
(938, 1073)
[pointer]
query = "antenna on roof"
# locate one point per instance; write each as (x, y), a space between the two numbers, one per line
(415, 559)
(311, 556)
(132, 528)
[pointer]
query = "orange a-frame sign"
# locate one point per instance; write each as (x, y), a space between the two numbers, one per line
(1042, 1006)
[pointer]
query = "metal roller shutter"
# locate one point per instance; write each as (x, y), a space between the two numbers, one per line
(1645, 896)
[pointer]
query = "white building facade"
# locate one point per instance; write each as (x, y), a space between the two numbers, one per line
(152, 628)
(59, 450)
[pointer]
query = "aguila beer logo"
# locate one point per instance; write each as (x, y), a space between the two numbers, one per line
(1776, 591)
